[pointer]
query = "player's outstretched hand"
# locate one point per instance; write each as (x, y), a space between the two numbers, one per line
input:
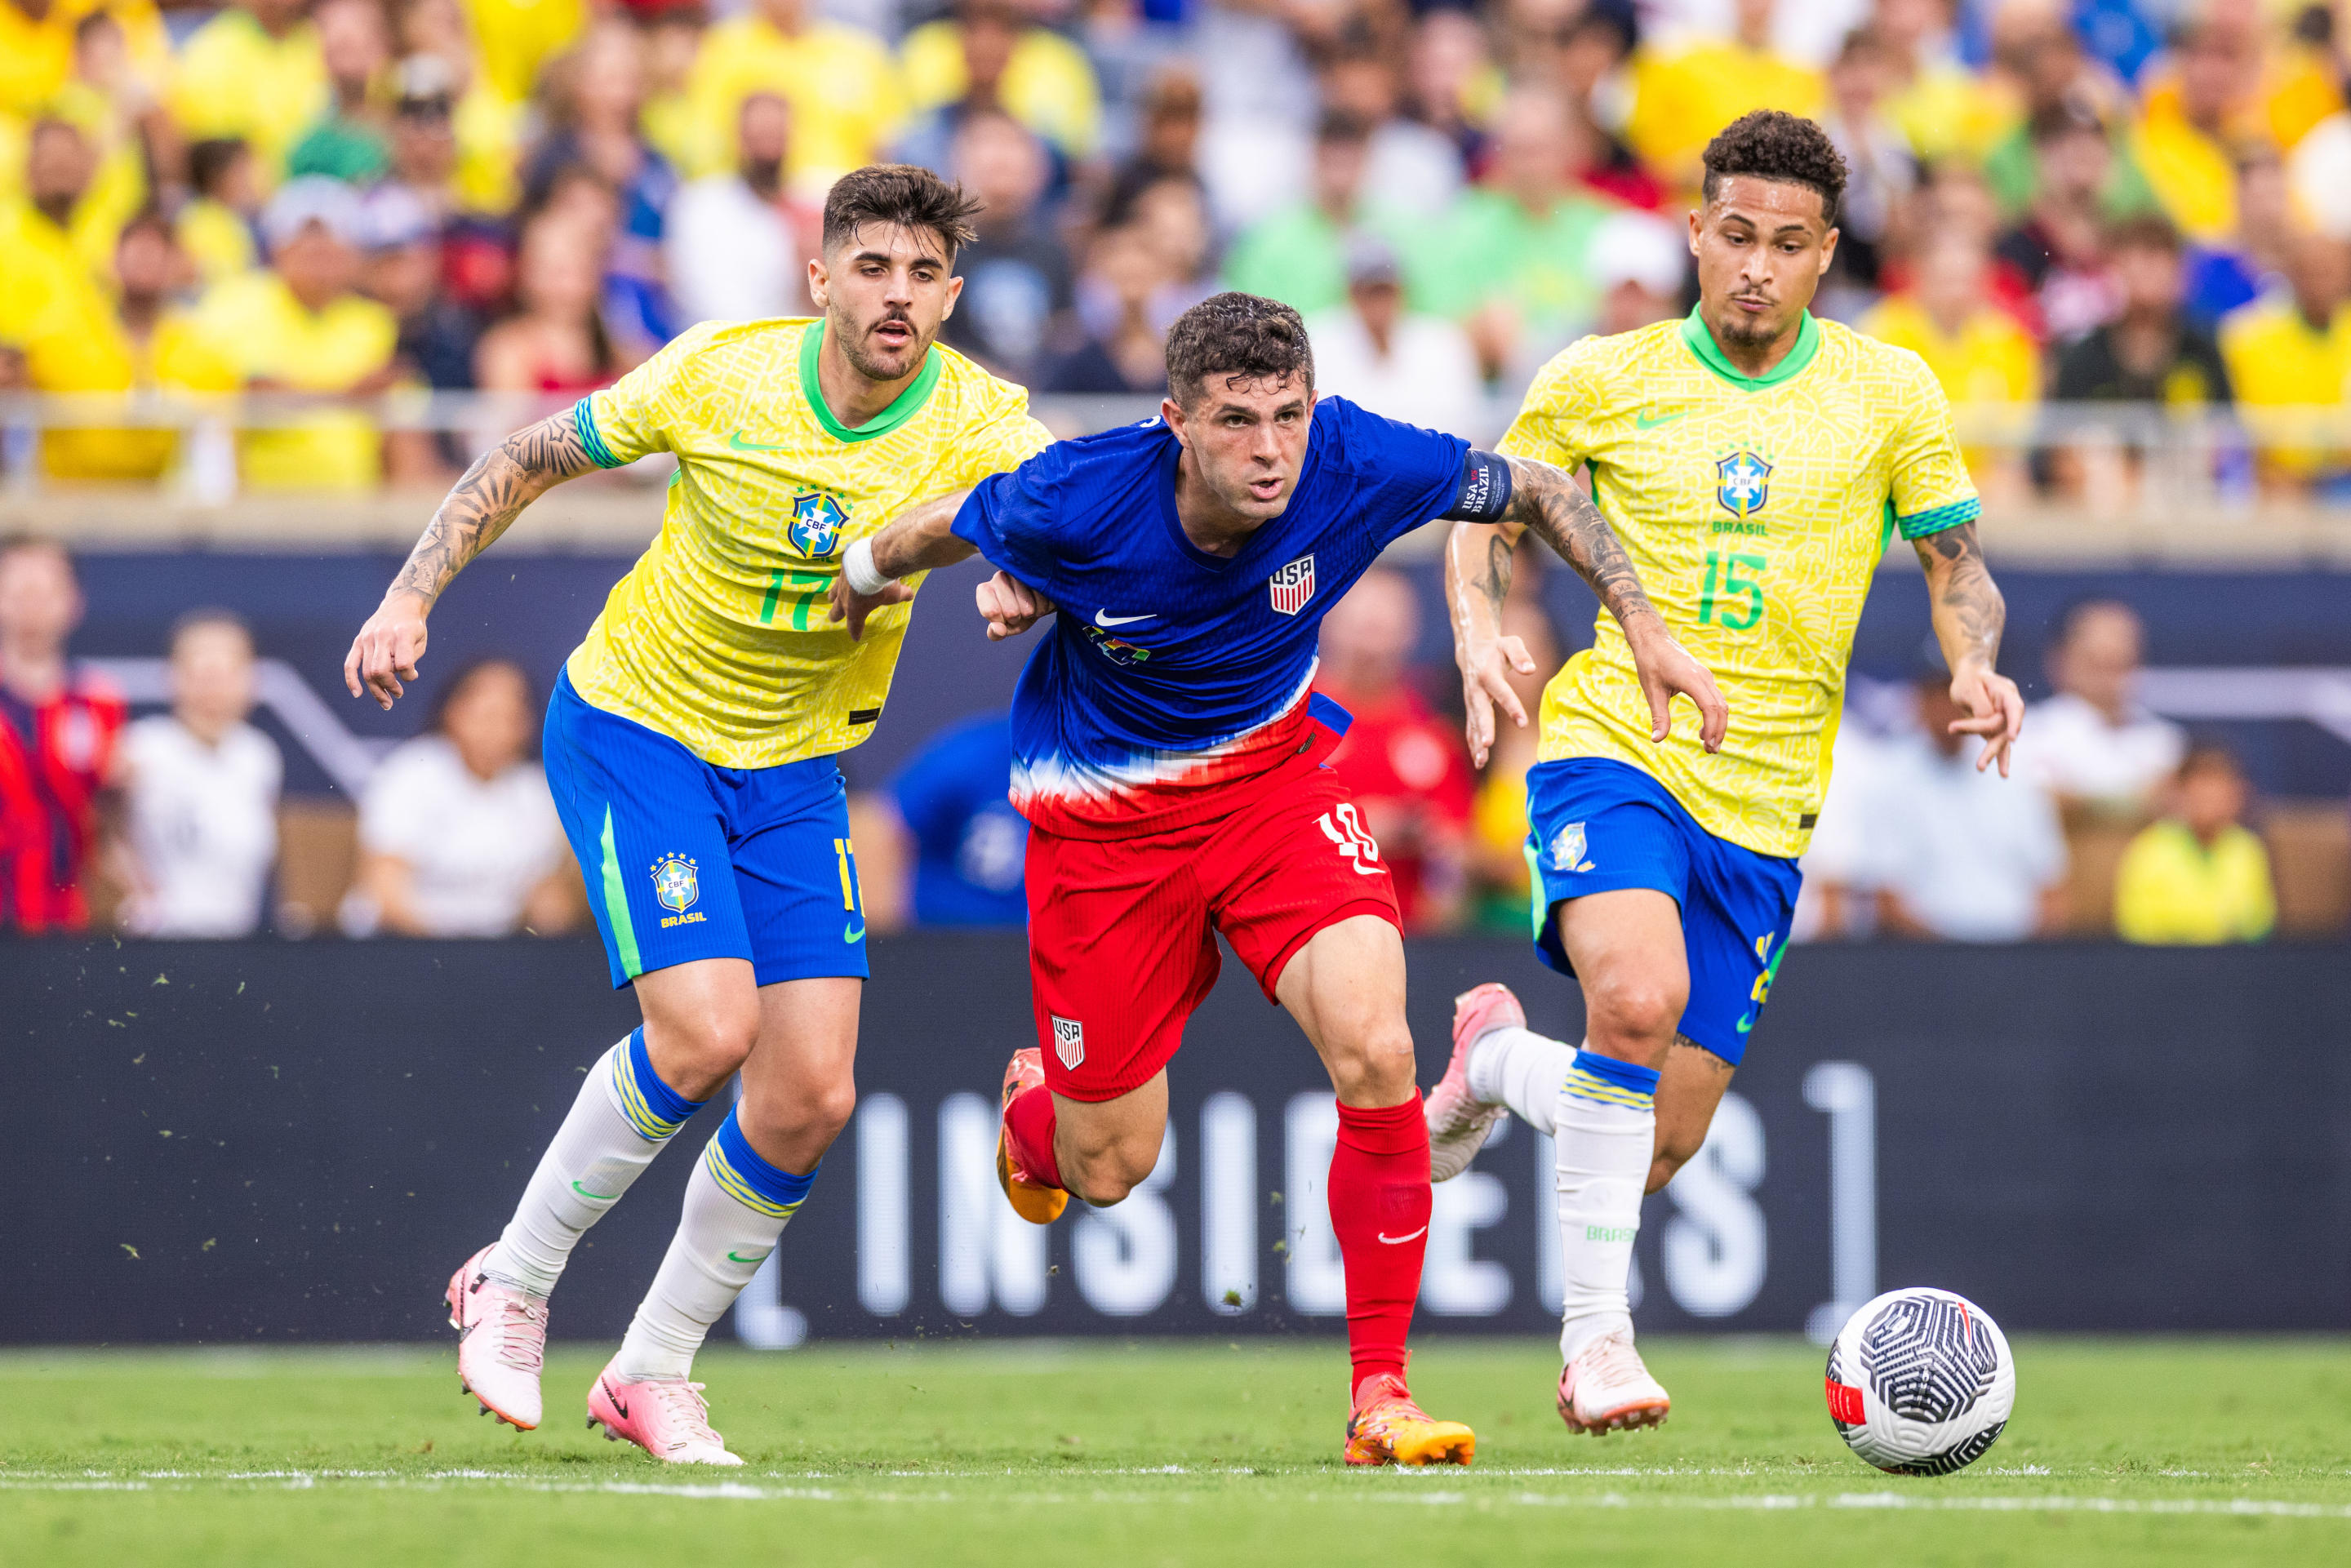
(853, 607)
(1485, 685)
(1995, 711)
(1666, 670)
(384, 654)
(1010, 606)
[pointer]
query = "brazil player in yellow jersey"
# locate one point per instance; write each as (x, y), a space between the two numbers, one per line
(690, 747)
(1756, 462)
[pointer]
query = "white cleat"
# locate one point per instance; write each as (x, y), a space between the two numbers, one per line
(1605, 1388)
(1459, 1122)
(665, 1416)
(501, 1342)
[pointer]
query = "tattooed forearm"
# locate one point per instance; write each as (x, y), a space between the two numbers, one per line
(1969, 611)
(489, 496)
(1546, 499)
(1496, 579)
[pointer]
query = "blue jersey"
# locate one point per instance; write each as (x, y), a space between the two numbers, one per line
(970, 842)
(1170, 671)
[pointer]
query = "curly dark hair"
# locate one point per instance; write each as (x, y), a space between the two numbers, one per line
(1242, 337)
(900, 195)
(1773, 144)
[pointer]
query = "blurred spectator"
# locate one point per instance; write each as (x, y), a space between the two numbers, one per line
(555, 339)
(737, 248)
(2150, 351)
(137, 342)
(47, 263)
(2190, 117)
(214, 225)
(1124, 348)
(1415, 168)
(1593, 51)
(673, 42)
(2092, 746)
(485, 123)
(846, 94)
(59, 726)
(1880, 172)
(423, 157)
(1419, 368)
(2252, 262)
(200, 792)
(1498, 822)
(37, 47)
(1980, 355)
(2199, 876)
(2318, 170)
(1512, 258)
(255, 72)
(301, 325)
(2058, 248)
(1942, 109)
(1450, 79)
(2289, 361)
(1403, 765)
(350, 140)
(1682, 96)
(1638, 265)
(2039, 69)
(401, 272)
(991, 54)
(1837, 900)
(516, 38)
(969, 845)
(458, 834)
(1168, 142)
(595, 94)
(1298, 255)
(1018, 286)
(1955, 851)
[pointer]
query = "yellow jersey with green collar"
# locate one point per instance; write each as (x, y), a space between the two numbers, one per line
(1755, 510)
(719, 636)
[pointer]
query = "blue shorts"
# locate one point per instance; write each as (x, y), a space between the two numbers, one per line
(686, 861)
(1597, 825)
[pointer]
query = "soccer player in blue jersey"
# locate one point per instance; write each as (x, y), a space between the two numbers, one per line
(1168, 757)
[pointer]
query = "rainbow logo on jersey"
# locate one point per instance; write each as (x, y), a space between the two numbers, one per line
(1293, 586)
(1742, 482)
(816, 521)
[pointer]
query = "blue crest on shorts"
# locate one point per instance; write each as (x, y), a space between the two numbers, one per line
(816, 521)
(1742, 482)
(1567, 848)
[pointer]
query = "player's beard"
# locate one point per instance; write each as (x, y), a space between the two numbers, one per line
(873, 369)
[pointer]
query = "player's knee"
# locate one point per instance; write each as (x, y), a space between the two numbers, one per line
(1104, 1176)
(1375, 1067)
(697, 1056)
(1638, 1012)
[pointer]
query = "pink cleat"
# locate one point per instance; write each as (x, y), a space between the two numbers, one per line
(665, 1416)
(501, 1342)
(1458, 1120)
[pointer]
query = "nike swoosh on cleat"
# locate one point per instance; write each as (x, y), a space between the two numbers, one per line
(599, 1196)
(740, 1259)
(740, 445)
(620, 1404)
(1400, 1240)
(1103, 618)
(848, 935)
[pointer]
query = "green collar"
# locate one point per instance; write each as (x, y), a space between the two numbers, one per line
(917, 392)
(1710, 353)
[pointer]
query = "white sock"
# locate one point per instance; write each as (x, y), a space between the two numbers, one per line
(1606, 1134)
(597, 1154)
(737, 1206)
(1520, 1068)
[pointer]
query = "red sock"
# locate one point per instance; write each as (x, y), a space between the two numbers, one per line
(1379, 1207)
(1029, 1127)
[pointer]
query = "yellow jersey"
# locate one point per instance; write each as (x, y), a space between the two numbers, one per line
(256, 324)
(90, 350)
(2290, 379)
(235, 79)
(844, 89)
(2173, 889)
(1755, 510)
(720, 636)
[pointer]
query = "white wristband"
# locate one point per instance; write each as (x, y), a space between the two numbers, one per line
(857, 569)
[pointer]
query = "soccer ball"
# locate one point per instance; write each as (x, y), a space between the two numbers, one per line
(1920, 1382)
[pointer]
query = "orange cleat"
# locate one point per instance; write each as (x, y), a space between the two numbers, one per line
(1031, 1200)
(1388, 1428)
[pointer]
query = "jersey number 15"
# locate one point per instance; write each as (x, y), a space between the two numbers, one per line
(1732, 602)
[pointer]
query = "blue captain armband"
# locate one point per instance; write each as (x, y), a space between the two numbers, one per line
(1485, 492)
(1920, 524)
(583, 420)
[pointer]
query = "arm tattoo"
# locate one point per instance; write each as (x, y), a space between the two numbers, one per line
(1500, 559)
(489, 496)
(1546, 499)
(1969, 612)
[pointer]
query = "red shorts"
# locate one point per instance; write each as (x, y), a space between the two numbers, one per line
(1122, 932)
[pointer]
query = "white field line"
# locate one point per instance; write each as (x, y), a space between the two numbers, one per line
(765, 1492)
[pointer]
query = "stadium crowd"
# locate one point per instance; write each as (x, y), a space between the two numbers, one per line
(2138, 200)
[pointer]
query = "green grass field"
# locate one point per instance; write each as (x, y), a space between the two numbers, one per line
(2132, 1451)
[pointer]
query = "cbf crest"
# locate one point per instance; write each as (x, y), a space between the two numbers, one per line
(676, 887)
(1567, 847)
(1742, 482)
(817, 522)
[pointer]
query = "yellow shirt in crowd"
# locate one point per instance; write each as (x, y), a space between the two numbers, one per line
(235, 80)
(216, 239)
(1755, 510)
(42, 272)
(846, 96)
(2278, 361)
(36, 57)
(268, 335)
(2172, 889)
(91, 351)
(1989, 364)
(1049, 83)
(1681, 100)
(514, 38)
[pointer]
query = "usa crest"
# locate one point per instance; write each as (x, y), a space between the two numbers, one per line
(816, 521)
(1293, 586)
(675, 884)
(1567, 848)
(1069, 1040)
(1742, 482)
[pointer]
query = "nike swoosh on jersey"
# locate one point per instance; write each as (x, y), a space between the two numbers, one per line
(849, 934)
(740, 445)
(1400, 1240)
(599, 1196)
(1642, 421)
(1104, 619)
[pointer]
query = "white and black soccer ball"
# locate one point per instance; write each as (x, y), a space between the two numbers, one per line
(1920, 1382)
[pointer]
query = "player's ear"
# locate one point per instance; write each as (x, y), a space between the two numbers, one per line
(955, 292)
(1171, 414)
(1828, 250)
(820, 295)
